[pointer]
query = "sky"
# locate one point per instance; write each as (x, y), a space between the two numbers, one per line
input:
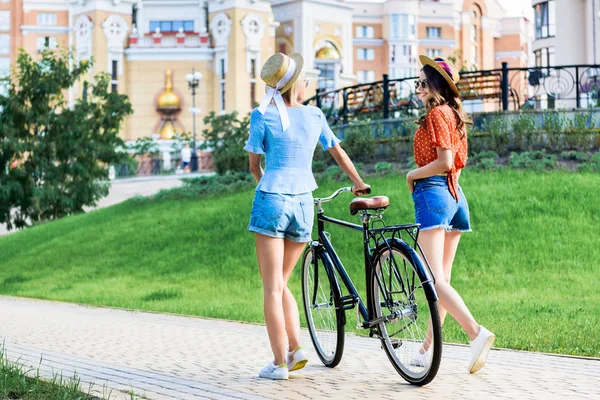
(518, 7)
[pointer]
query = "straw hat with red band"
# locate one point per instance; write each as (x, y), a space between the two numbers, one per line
(446, 69)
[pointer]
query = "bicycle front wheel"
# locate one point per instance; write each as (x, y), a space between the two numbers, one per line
(409, 319)
(324, 316)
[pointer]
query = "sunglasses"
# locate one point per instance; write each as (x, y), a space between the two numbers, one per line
(423, 84)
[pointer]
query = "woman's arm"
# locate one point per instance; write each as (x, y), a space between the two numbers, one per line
(347, 166)
(255, 167)
(441, 165)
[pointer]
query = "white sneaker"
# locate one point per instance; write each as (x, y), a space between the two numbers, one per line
(296, 359)
(273, 371)
(480, 348)
(421, 359)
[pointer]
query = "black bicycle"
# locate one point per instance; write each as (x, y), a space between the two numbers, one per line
(401, 308)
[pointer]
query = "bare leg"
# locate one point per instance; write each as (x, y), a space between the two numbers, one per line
(270, 254)
(291, 254)
(433, 245)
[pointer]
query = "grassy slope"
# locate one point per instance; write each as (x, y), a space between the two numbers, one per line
(529, 271)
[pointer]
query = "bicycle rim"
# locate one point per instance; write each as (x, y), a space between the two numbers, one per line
(322, 316)
(412, 320)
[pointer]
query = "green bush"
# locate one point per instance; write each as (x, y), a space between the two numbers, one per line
(485, 160)
(575, 156)
(226, 135)
(194, 187)
(535, 160)
(358, 141)
(497, 129)
(318, 166)
(333, 173)
(592, 165)
(383, 168)
(524, 131)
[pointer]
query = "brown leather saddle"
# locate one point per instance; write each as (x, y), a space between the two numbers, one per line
(369, 203)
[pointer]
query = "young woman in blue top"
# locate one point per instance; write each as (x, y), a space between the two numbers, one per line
(287, 132)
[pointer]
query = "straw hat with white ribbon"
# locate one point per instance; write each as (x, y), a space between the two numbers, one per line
(279, 73)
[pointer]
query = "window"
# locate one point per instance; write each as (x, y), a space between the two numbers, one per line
(114, 83)
(365, 54)
(544, 57)
(4, 73)
(4, 20)
(4, 44)
(474, 33)
(474, 57)
(252, 82)
(365, 32)
(222, 84)
(366, 76)
(407, 50)
(172, 26)
(46, 19)
(434, 32)
(403, 26)
(433, 53)
(327, 76)
(46, 42)
(545, 19)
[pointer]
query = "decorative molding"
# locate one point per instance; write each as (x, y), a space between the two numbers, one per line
(83, 37)
(367, 42)
(169, 54)
(253, 27)
(56, 30)
(115, 30)
(220, 27)
(114, 6)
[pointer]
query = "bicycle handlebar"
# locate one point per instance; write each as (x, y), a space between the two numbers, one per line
(336, 193)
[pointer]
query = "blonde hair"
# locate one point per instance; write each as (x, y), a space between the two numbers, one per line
(292, 92)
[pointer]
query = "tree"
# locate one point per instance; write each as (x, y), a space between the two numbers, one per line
(226, 136)
(54, 158)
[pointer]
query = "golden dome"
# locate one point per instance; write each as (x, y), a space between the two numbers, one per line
(328, 53)
(167, 131)
(168, 99)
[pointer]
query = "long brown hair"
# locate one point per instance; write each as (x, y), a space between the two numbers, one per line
(441, 93)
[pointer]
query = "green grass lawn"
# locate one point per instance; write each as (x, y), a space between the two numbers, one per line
(529, 271)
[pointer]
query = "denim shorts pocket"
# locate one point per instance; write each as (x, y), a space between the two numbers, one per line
(308, 212)
(437, 198)
(271, 206)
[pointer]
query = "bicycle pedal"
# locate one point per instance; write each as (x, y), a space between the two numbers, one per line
(395, 343)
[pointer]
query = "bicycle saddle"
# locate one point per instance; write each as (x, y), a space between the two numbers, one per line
(369, 203)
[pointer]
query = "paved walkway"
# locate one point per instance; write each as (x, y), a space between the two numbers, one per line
(123, 189)
(174, 357)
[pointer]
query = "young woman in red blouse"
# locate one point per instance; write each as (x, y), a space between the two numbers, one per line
(440, 148)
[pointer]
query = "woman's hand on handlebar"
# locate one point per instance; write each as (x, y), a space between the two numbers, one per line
(361, 189)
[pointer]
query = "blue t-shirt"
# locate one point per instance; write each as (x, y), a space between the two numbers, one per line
(289, 154)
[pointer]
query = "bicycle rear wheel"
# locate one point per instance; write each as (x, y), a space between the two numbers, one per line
(409, 315)
(324, 316)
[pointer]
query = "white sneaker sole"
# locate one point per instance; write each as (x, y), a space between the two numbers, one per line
(482, 358)
(273, 376)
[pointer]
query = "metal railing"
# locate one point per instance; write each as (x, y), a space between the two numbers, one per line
(537, 88)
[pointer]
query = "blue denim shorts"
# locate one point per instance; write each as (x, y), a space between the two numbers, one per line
(287, 216)
(435, 207)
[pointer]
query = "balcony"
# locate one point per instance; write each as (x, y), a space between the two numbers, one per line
(169, 40)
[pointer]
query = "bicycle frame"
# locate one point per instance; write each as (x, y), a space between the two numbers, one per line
(369, 234)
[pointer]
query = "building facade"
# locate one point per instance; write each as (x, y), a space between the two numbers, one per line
(149, 46)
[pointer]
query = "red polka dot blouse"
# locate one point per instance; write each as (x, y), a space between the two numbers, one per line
(439, 130)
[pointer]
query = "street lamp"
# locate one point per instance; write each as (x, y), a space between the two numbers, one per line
(193, 80)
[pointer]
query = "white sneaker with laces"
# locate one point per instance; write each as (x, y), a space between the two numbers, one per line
(273, 371)
(480, 347)
(296, 359)
(421, 359)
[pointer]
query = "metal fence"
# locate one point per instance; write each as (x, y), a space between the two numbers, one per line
(538, 88)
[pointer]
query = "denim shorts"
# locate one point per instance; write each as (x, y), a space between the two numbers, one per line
(287, 216)
(435, 207)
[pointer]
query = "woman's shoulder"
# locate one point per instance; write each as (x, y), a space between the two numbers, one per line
(442, 113)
